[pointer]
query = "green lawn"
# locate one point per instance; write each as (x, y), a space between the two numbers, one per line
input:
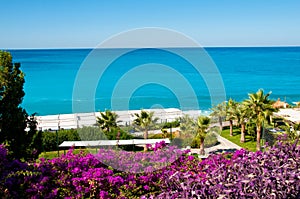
(249, 143)
(53, 154)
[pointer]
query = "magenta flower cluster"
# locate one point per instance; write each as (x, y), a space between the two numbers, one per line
(157, 146)
(155, 174)
(271, 174)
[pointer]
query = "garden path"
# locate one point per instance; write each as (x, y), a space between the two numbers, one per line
(223, 146)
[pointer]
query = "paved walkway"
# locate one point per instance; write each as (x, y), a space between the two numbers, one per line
(224, 145)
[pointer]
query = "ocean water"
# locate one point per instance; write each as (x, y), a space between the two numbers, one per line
(51, 78)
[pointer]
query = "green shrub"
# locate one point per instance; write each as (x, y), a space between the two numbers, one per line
(210, 140)
(91, 133)
(156, 136)
(173, 124)
(51, 138)
(177, 142)
(187, 141)
(112, 135)
(270, 137)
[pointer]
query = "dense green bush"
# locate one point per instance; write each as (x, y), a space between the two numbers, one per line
(178, 142)
(173, 124)
(210, 140)
(51, 139)
(91, 133)
(270, 137)
(112, 135)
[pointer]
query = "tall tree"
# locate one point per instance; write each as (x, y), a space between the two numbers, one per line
(13, 118)
(202, 126)
(188, 125)
(260, 108)
(219, 111)
(145, 121)
(241, 116)
(33, 137)
(231, 107)
(107, 120)
(188, 129)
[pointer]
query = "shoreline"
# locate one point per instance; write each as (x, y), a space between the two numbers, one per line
(78, 120)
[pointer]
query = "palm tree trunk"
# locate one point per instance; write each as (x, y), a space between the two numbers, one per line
(231, 127)
(145, 137)
(258, 132)
(220, 123)
(242, 133)
(202, 152)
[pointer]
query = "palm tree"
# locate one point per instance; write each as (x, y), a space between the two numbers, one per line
(220, 112)
(107, 120)
(188, 129)
(145, 120)
(187, 125)
(202, 124)
(241, 116)
(231, 113)
(260, 108)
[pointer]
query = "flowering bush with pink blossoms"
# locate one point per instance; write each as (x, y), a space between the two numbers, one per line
(162, 173)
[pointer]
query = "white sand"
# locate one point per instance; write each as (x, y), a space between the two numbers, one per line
(77, 120)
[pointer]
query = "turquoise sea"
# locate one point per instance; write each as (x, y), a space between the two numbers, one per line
(50, 76)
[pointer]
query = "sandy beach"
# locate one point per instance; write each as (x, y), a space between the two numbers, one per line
(78, 120)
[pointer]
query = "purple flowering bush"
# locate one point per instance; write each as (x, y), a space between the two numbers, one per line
(164, 172)
(271, 174)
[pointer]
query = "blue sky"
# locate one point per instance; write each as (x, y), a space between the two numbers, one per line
(86, 23)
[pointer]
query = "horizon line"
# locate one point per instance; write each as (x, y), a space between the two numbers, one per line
(88, 48)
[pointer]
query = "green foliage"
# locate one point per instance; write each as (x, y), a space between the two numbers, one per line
(297, 127)
(202, 126)
(291, 131)
(240, 113)
(210, 140)
(260, 109)
(219, 112)
(13, 118)
(91, 133)
(114, 133)
(36, 146)
(178, 142)
(251, 129)
(188, 128)
(144, 121)
(231, 109)
(107, 120)
(163, 135)
(50, 138)
(50, 154)
(173, 124)
(157, 136)
(270, 137)
(49, 141)
(188, 125)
